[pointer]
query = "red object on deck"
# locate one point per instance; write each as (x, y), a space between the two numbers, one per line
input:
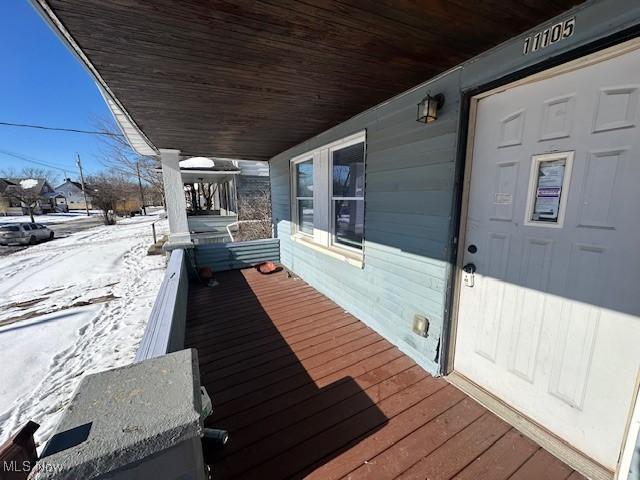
(205, 274)
(267, 267)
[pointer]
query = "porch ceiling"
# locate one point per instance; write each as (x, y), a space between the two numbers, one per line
(249, 79)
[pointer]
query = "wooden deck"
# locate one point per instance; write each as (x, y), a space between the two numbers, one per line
(308, 391)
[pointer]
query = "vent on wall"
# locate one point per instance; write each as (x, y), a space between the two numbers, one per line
(420, 325)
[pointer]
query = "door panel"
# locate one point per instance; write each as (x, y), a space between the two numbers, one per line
(551, 324)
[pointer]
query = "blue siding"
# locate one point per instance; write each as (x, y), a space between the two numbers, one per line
(228, 256)
(410, 194)
(409, 183)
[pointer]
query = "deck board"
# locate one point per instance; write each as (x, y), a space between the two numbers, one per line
(308, 391)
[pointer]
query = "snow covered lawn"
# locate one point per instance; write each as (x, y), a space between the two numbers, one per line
(50, 218)
(69, 308)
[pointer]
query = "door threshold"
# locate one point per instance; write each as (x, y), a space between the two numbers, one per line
(543, 437)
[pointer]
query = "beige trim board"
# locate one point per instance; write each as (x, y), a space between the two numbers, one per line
(543, 437)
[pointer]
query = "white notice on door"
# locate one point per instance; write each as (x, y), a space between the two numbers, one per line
(548, 189)
(503, 199)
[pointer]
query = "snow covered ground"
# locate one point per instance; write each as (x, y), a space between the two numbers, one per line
(68, 308)
(49, 219)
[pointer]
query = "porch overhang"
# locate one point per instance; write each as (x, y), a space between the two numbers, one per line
(251, 79)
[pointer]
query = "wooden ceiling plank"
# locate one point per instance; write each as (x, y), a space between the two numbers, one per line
(214, 77)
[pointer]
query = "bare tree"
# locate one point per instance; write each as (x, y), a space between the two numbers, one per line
(50, 176)
(200, 192)
(107, 190)
(9, 172)
(208, 191)
(118, 155)
(31, 172)
(26, 193)
(25, 190)
(254, 213)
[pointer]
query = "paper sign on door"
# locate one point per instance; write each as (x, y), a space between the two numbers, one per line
(550, 177)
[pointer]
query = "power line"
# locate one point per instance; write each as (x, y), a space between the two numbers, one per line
(60, 129)
(35, 161)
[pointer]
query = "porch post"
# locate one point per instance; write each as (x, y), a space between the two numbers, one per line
(174, 195)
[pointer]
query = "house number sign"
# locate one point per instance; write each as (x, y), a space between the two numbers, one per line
(549, 36)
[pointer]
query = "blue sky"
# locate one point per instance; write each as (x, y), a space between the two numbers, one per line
(41, 82)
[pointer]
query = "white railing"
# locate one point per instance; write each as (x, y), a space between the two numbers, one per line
(237, 224)
(210, 223)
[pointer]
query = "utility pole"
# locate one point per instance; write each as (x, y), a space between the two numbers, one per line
(84, 193)
(144, 210)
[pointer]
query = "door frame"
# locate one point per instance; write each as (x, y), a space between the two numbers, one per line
(575, 59)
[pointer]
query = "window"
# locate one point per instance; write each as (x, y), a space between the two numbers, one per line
(347, 171)
(304, 196)
(327, 206)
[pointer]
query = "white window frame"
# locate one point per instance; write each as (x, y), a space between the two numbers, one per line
(294, 191)
(321, 240)
(347, 142)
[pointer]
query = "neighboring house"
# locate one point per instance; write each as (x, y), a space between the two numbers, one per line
(58, 201)
(462, 177)
(128, 206)
(73, 193)
(48, 200)
(253, 179)
(8, 204)
(215, 190)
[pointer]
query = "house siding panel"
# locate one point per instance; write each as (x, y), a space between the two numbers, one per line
(410, 193)
(409, 182)
(228, 256)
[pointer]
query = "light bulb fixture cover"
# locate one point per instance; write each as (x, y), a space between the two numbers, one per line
(429, 106)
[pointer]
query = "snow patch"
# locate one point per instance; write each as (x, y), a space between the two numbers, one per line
(197, 162)
(28, 183)
(49, 219)
(85, 301)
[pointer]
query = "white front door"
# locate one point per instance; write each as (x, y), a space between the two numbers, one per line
(549, 322)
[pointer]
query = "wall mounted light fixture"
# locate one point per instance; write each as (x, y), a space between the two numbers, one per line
(428, 108)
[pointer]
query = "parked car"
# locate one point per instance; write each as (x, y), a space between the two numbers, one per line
(24, 233)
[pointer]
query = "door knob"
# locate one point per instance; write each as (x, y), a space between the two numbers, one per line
(469, 268)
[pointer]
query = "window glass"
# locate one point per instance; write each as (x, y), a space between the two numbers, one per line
(304, 179)
(348, 171)
(26, 226)
(9, 228)
(348, 195)
(305, 216)
(349, 222)
(304, 196)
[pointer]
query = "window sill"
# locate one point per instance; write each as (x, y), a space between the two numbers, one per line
(352, 258)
